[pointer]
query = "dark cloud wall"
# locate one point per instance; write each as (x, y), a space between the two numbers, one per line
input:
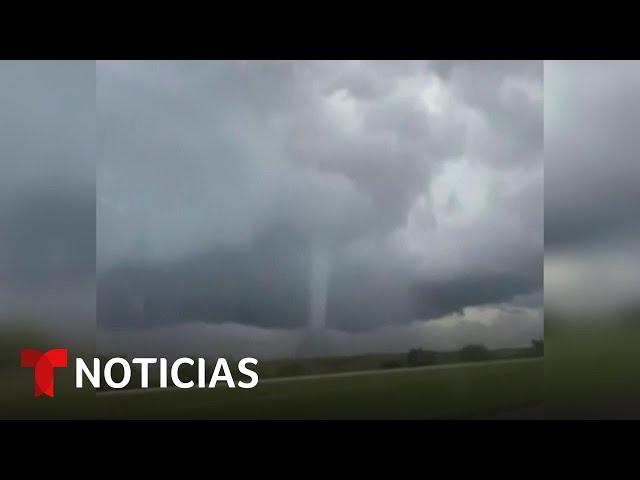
(424, 182)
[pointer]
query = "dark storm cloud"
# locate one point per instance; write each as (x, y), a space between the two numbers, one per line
(495, 327)
(509, 94)
(591, 145)
(47, 181)
(227, 144)
(216, 178)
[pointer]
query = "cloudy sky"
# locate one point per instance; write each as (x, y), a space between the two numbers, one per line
(47, 191)
(383, 196)
(592, 226)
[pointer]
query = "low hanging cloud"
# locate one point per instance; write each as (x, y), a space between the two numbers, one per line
(421, 183)
(496, 327)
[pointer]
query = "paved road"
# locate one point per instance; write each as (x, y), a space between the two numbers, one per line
(339, 375)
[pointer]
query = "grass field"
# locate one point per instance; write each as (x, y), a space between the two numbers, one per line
(325, 365)
(290, 367)
(593, 372)
(455, 391)
(355, 387)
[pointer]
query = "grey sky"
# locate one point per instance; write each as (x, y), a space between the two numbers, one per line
(47, 189)
(592, 144)
(592, 226)
(422, 180)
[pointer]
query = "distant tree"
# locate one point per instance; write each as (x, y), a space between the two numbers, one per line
(537, 346)
(392, 364)
(418, 357)
(291, 368)
(413, 357)
(474, 353)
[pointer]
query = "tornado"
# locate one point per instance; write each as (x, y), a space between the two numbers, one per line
(319, 286)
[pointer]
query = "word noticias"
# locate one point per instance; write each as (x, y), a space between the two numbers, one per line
(44, 363)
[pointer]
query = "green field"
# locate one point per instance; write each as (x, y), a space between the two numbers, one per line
(456, 391)
(375, 386)
(290, 367)
(326, 365)
(593, 372)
